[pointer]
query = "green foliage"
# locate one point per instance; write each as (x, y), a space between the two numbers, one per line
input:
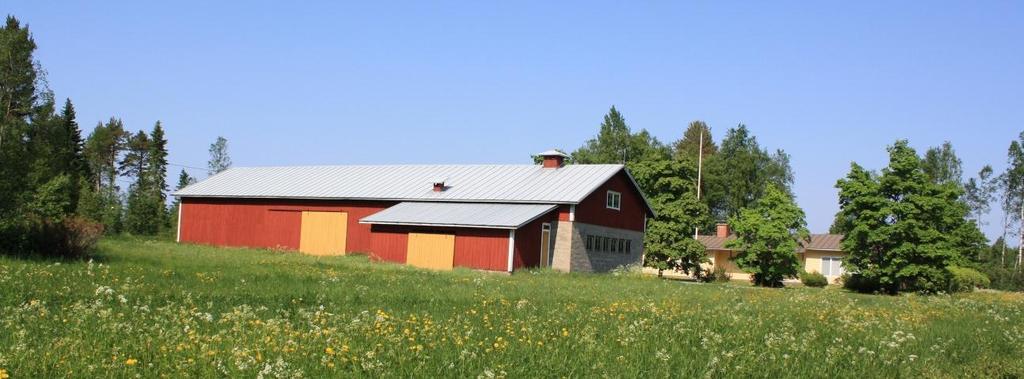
(941, 165)
(813, 279)
(103, 206)
(668, 242)
(616, 143)
(219, 158)
(717, 275)
(1012, 184)
(904, 229)
(980, 192)
(18, 99)
(738, 173)
(689, 147)
(1004, 278)
(52, 200)
(767, 237)
(964, 279)
(860, 283)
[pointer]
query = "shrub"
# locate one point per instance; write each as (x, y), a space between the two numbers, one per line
(860, 283)
(813, 279)
(72, 237)
(963, 279)
(718, 275)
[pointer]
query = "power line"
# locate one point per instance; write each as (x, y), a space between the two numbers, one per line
(187, 166)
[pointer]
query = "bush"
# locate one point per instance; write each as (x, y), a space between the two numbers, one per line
(859, 283)
(72, 237)
(813, 279)
(718, 275)
(963, 279)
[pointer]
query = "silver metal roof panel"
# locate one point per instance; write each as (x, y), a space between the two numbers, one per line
(465, 215)
(475, 183)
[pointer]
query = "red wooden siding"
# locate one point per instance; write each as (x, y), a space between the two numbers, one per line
(592, 210)
(527, 246)
(389, 243)
(267, 223)
(482, 249)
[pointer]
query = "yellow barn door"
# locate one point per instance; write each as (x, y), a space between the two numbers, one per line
(433, 251)
(323, 233)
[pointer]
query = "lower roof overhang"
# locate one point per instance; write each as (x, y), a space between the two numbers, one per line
(459, 215)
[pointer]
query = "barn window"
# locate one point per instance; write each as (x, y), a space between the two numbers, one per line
(613, 200)
(628, 250)
(604, 244)
(622, 245)
(614, 247)
(590, 243)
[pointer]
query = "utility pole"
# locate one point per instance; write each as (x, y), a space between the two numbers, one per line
(700, 166)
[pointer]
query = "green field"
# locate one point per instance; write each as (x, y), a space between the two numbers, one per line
(157, 309)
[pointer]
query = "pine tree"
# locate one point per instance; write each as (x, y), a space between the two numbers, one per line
(18, 98)
(184, 180)
(219, 158)
(767, 237)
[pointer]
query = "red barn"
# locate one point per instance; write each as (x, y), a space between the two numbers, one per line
(486, 217)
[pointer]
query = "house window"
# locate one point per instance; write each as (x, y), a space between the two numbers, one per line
(613, 200)
(831, 266)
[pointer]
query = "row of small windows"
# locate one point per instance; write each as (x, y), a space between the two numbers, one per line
(609, 244)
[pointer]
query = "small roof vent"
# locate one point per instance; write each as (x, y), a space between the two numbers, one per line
(438, 184)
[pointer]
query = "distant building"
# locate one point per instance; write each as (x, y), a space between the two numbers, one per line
(822, 254)
(486, 217)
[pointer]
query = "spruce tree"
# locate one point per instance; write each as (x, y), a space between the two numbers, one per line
(738, 174)
(689, 147)
(157, 174)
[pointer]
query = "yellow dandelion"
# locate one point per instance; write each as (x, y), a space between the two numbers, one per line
(329, 351)
(131, 362)
(4, 374)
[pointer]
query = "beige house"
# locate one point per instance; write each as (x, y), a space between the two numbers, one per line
(821, 254)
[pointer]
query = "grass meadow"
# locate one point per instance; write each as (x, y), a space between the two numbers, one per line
(146, 308)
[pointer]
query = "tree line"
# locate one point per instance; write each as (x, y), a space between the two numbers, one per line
(60, 191)
(914, 226)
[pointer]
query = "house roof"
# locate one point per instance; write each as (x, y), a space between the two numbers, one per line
(463, 183)
(830, 242)
(475, 215)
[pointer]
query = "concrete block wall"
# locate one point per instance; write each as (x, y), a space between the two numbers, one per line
(571, 255)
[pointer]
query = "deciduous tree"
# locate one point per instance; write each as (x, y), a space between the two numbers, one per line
(905, 230)
(767, 237)
(219, 158)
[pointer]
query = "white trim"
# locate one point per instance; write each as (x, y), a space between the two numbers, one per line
(572, 213)
(511, 247)
(181, 204)
(613, 194)
(548, 247)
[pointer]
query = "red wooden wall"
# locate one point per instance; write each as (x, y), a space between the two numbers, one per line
(527, 247)
(267, 223)
(481, 249)
(592, 210)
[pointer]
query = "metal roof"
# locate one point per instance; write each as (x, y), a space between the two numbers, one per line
(475, 215)
(464, 183)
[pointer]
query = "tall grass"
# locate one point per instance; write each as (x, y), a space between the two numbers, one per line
(152, 309)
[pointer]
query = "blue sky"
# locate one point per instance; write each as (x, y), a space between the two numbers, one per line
(493, 82)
